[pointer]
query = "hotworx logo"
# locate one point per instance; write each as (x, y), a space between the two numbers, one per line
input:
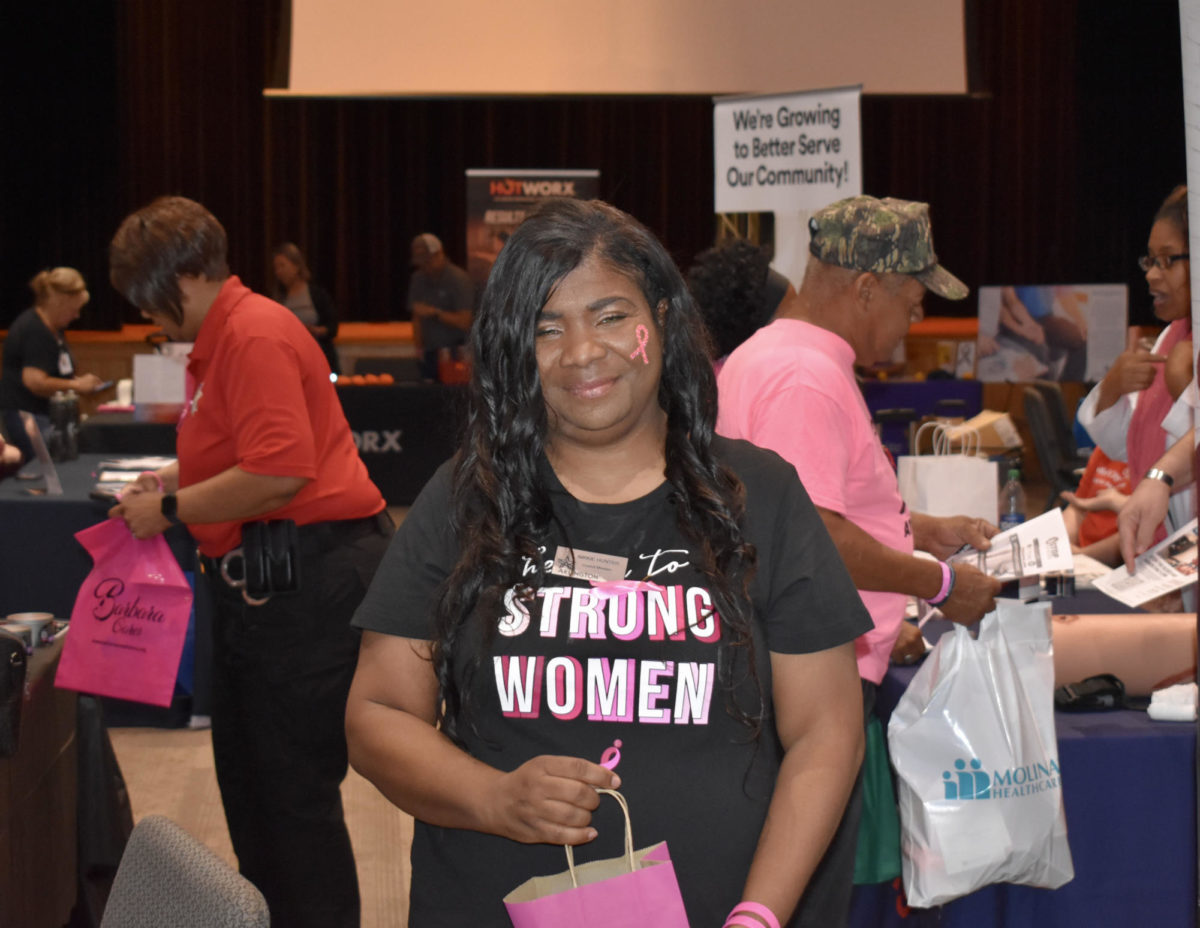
(971, 781)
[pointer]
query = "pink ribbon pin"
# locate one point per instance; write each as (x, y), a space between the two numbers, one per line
(611, 756)
(643, 337)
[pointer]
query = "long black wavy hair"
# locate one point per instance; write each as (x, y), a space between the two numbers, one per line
(501, 503)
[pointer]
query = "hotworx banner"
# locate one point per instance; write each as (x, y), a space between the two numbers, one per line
(497, 201)
(785, 153)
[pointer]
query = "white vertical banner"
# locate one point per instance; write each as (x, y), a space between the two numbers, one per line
(787, 154)
(1189, 34)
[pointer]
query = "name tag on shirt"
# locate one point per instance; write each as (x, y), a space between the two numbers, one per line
(588, 565)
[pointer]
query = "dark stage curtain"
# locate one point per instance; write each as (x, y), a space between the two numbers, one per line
(1048, 172)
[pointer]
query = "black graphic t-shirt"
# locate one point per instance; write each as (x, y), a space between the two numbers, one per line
(31, 344)
(637, 669)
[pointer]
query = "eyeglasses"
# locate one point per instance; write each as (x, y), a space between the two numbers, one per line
(1162, 262)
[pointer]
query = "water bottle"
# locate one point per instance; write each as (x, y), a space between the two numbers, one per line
(1012, 501)
(56, 435)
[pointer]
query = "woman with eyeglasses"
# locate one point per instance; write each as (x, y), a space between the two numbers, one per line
(37, 359)
(1140, 407)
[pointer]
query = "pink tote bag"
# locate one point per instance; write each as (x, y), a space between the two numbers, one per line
(631, 891)
(130, 618)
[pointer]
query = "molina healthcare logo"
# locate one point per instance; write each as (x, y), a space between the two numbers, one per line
(969, 780)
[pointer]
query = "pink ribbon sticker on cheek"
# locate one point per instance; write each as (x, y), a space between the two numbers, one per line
(643, 337)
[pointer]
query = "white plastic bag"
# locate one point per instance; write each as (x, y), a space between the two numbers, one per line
(973, 744)
(949, 482)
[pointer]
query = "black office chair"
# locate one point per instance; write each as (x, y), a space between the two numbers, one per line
(1056, 406)
(1058, 474)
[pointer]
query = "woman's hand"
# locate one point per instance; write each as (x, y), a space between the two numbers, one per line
(1110, 499)
(1140, 517)
(1132, 372)
(86, 383)
(146, 482)
(548, 800)
(142, 512)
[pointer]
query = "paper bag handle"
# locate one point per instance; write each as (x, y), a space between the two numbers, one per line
(943, 444)
(628, 837)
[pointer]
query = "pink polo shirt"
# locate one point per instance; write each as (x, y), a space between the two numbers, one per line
(791, 388)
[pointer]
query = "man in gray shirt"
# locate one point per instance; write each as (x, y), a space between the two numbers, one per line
(441, 300)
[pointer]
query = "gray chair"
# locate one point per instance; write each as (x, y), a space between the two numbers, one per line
(1057, 473)
(1056, 406)
(167, 877)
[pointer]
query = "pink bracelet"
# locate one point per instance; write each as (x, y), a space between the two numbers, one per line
(157, 479)
(947, 585)
(753, 908)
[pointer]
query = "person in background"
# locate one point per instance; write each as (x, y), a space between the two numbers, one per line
(312, 304)
(737, 291)
(262, 437)
(791, 387)
(1134, 414)
(597, 578)
(37, 360)
(441, 302)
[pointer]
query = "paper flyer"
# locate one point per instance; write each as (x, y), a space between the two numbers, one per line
(1039, 546)
(1170, 565)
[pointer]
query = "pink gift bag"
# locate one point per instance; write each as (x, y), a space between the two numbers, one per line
(130, 618)
(632, 891)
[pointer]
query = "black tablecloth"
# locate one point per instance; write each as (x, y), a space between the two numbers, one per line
(120, 433)
(403, 432)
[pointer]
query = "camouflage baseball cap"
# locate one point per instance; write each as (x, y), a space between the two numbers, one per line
(885, 236)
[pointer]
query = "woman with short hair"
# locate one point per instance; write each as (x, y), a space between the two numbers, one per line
(37, 359)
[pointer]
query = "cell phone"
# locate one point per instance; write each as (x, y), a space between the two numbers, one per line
(108, 384)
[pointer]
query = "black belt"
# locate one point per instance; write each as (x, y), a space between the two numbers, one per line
(321, 536)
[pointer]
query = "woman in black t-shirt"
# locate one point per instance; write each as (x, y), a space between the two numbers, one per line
(598, 592)
(37, 361)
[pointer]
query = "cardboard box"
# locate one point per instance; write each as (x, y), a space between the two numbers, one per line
(996, 431)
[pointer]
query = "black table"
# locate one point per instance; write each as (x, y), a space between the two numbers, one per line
(120, 433)
(402, 431)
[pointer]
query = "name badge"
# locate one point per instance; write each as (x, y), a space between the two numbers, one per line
(588, 565)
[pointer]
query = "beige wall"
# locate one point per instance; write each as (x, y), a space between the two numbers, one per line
(471, 47)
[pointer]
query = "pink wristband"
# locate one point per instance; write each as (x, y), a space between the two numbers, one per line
(157, 479)
(947, 585)
(753, 908)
